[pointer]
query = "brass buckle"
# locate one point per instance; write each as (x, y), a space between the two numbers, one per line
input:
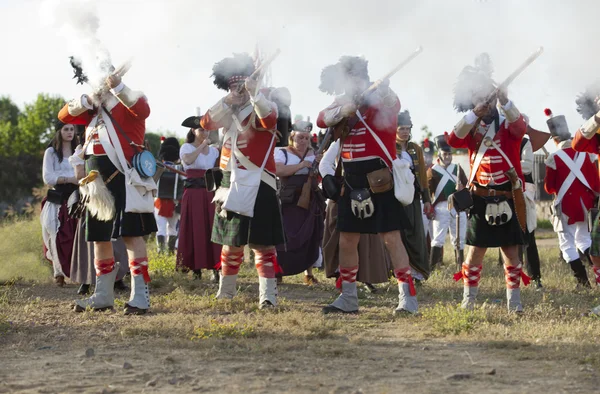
(487, 141)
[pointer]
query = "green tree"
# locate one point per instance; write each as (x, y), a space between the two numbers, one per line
(36, 124)
(9, 118)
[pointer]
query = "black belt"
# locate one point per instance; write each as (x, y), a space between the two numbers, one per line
(194, 183)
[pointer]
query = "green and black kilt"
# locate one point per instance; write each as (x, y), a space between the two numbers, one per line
(483, 235)
(265, 228)
(124, 224)
(595, 248)
(389, 215)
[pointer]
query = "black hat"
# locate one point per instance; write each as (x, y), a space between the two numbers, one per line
(168, 153)
(557, 125)
(404, 119)
(335, 76)
(586, 101)
(302, 125)
(231, 69)
(473, 81)
(193, 122)
(58, 125)
(441, 144)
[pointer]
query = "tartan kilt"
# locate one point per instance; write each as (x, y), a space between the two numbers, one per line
(124, 224)
(265, 228)
(483, 235)
(595, 249)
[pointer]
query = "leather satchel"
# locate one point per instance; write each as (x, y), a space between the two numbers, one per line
(460, 200)
(380, 181)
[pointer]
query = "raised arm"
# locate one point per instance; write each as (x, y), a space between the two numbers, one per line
(134, 101)
(587, 138)
(76, 111)
(266, 112)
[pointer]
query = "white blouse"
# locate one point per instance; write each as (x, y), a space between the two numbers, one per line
(202, 162)
(52, 169)
(292, 159)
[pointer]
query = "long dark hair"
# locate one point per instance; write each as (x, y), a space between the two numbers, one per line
(191, 137)
(57, 143)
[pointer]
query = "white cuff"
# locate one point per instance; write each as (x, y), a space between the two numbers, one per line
(262, 106)
(118, 89)
(511, 112)
(78, 106)
(125, 95)
(470, 117)
(333, 116)
(218, 111)
(590, 127)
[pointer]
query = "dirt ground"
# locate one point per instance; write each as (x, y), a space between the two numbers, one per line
(191, 343)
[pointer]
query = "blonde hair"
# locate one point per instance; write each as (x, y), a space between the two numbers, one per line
(293, 134)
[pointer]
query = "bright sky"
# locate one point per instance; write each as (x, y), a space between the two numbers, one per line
(175, 44)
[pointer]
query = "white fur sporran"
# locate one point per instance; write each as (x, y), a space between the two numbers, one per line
(101, 203)
(498, 213)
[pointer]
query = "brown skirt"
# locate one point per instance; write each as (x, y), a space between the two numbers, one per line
(374, 263)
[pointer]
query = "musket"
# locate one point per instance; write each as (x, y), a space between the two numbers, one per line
(169, 168)
(258, 72)
(459, 261)
(493, 95)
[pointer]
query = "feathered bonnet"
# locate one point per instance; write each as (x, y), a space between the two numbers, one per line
(473, 82)
(335, 77)
(232, 69)
(169, 149)
(586, 101)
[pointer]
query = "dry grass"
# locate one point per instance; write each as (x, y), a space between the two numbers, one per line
(242, 342)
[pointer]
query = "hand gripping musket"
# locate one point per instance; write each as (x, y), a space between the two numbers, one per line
(257, 74)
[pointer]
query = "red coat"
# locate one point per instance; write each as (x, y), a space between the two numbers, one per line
(578, 194)
(493, 165)
(382, 118)
(132, 121)
(254, 141)
(582, 144)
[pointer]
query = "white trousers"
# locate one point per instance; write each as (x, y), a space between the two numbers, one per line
(166, 226)
(574, 236)
(445, 220)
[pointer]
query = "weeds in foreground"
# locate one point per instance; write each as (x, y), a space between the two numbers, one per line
(223, 330)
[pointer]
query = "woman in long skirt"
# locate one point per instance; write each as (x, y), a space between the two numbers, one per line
(58, 229)
(303, 227)
(195, 250)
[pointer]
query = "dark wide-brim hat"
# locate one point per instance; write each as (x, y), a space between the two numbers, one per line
(192, 122)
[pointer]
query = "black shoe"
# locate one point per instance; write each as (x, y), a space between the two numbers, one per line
(538, 284)
(197, 274)
(372, 289)
(132, 310)
(332, 309)
(580, 273)
(121, 286)
(83, 289)
(215, 276)
(266, 305)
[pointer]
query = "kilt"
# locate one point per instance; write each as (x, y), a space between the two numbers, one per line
(595, 248)
(389, 214)
(265, 228)
(124, 224)
(483, 235)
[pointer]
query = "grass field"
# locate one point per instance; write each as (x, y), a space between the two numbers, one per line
(192, 342)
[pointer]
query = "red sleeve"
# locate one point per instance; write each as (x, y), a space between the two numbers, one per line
(208, 124)
(550, 181)
(456, 142)
(270, 122)
(582, 144)
(518, 128)
(321, 118)
(65, 117)
(141, 109)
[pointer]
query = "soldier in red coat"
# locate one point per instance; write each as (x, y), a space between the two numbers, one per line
(248, 117)
(573, 178)
(494, 143)
(587, 139)
(369, 146)
(113, 104)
